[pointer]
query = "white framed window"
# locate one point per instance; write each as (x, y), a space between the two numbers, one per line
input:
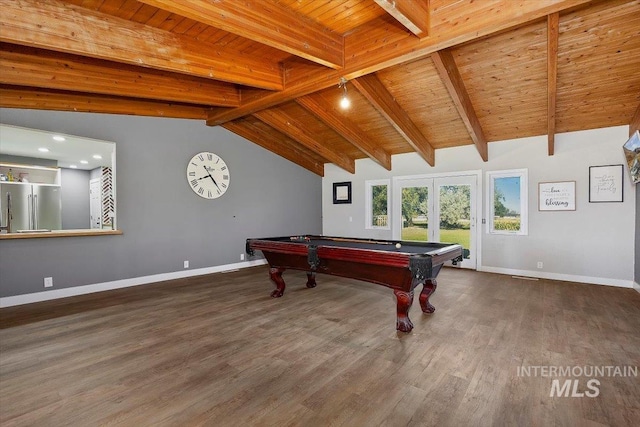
(378, 204)
(507, 207)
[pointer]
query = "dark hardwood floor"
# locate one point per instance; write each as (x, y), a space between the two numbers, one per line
(217, 350)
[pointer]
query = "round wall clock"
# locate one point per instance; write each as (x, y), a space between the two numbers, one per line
(208, 175)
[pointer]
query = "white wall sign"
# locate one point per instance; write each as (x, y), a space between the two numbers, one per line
(557, 196)
(605, 183)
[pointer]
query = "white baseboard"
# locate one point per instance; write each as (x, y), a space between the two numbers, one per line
(144, 280)
(557, 276)
(118, 284)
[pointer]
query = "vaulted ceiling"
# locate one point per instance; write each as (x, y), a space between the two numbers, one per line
(421, 74)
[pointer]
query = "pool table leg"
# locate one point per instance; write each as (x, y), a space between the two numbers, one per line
(311, 279)
(275, 274)
(405, 299)
(428, 289)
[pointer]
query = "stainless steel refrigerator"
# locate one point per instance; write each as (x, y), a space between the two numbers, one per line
(29, 207)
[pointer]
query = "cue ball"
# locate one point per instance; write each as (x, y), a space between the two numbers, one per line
(398, 245)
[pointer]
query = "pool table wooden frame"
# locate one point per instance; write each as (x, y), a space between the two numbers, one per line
(376, 261)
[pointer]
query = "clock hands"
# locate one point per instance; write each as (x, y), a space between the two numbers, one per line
(212, 179)
(208, 175)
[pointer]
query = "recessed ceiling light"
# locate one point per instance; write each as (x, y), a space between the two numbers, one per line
(73, 166)
(43, 150)
(59, 138)
(97, 156)
(84, 162)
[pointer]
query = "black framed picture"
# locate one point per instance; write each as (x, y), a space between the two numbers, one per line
(341, 192)
(605, 183)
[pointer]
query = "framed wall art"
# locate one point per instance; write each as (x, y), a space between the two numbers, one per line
(605, 183)
(341, 193)
(557, 196)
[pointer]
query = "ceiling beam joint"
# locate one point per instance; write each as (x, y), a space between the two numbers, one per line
(296, 130)
(412, 14)
(275, 142)
(349, 130)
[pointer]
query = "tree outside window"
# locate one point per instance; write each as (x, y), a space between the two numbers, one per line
(507, 202)
(455, 205)
(415, 207)
(377, 202)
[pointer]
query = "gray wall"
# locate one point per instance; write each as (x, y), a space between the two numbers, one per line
(75, 198)
(96, 173)
(163, 221)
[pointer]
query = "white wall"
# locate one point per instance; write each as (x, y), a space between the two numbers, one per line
(593, 244)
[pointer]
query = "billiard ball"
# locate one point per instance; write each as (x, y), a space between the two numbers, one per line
(398, 245)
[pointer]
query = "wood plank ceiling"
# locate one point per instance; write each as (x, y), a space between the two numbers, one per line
(421, 74)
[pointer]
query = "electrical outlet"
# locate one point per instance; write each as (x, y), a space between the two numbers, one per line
(186, 264)
(241, 257)
(540, 264)
(48, 282)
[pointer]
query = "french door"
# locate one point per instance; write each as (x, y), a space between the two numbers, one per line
(438, 208)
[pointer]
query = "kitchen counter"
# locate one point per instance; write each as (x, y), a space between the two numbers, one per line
(59, 233)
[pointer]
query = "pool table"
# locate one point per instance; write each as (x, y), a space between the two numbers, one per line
(398, 265)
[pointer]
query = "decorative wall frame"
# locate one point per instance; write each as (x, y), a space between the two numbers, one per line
(557, 196)
(605, 183)
(342, 192)
(108, 202)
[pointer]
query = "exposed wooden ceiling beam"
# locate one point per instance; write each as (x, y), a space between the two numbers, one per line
(375, 46)
(326, 112)
(24, 66)
(76, 30)
(38, 99)
(634, 124)
(296, 130)
(450, 76)
(276, 143)
(378, 95)
(552, 78)
(413, 14)
(316, 81)
(378, 44)
(265, 22)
